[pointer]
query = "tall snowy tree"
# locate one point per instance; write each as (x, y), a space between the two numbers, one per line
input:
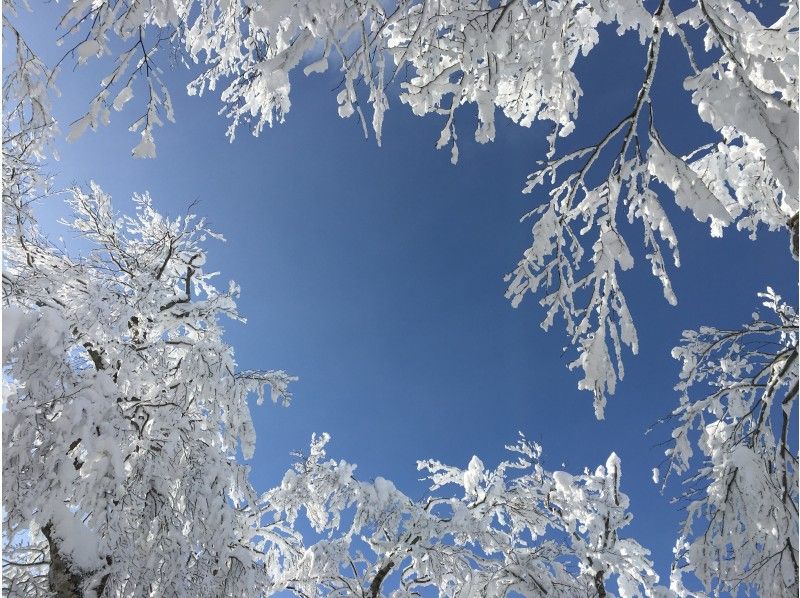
(123, 412)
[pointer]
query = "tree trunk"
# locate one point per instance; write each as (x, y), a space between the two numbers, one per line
(375, 586)
(599, 585)
(64, 582)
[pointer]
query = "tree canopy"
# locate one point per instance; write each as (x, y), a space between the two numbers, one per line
(125, 412)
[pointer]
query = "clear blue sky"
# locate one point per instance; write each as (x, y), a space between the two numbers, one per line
(375, 274)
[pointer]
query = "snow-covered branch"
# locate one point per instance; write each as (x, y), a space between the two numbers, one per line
(738, 407)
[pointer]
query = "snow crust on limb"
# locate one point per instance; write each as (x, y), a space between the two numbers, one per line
(735, 434)
(123, 412)
(513, 530)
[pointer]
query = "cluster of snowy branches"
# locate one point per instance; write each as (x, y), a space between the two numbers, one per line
(123, 407)
(518, 57)
(123, 411)
(28, 125)
(535, 533)
(741, 502)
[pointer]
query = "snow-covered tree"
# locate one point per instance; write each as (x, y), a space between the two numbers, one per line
(119, 387)
(519, 57)
(741, 503)
(123, 412)
(28, 125)
(122, 417)
(514, 530)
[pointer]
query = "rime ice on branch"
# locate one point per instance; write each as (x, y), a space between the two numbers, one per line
(124, 408)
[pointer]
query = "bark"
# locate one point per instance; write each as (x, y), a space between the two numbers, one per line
(599, 585)
(375, 586)
(64, 582)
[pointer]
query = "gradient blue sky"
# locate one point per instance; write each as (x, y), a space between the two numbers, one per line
(375, 274)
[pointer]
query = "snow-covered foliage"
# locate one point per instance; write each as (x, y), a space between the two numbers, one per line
(513, 530)
(518, 57)
(28, 125)
(123, 411)
(742, 497)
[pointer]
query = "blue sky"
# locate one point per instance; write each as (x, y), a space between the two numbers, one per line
(375, 274)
